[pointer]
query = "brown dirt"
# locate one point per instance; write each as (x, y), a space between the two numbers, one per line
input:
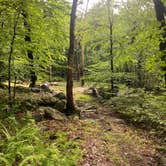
(106, 140)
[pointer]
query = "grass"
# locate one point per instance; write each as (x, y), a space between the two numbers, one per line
(83, 97)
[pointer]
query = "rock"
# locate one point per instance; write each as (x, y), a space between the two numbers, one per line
(50, 113)
(60, 105)
(46, 99)
(38, 117)
(49, 100)
(45, 88)
(22, 89)
(35, 90)
(60, 95)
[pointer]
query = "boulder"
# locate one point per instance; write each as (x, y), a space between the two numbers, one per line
(48, 100)
(45, 88)
(35, 90)
(60, 105)
(51, 113)
(60, 95)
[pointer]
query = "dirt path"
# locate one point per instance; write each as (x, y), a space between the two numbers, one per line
(106, 140)
(109, 140)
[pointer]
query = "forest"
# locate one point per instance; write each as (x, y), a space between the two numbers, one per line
(82, 82)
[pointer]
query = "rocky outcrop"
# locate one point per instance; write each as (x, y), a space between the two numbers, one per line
(48, 113)
(49, 100)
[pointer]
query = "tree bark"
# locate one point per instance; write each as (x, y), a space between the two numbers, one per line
(83, 52)
(70, 108)
(10, 57)
(33, 77)
(82, 65)
(160, 15)
(111, 56)
(110, 16)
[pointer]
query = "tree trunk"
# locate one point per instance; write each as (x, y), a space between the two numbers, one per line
(70, 108)
(33, 77)
(83, 64)
(160, 15)
(83, 52)
(14, 90)
(111, 56)
(110, 17)
(10, 57)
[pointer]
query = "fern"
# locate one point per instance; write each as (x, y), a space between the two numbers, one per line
(25, 146)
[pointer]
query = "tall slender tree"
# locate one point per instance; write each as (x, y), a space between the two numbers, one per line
(83, 50)
(110, 16)
(10, 54)
(69, 88)
(33, 76)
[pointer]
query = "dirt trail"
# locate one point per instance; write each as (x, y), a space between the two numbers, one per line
(109, 140)
(106, 140)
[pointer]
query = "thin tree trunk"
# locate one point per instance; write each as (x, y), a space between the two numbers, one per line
(10, 57)
(111, 57)
(50, 73)
(83, 65)
(110, 17)
(14, 92)
(70, 108)
(33, 77)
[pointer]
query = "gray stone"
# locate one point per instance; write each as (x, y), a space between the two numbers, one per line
(60, 95)
(35, 90)
(46, 99)
(45, 88)
(50, 113)
(50, 101)
(60, 105)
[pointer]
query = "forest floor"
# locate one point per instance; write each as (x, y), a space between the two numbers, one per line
(105, 138)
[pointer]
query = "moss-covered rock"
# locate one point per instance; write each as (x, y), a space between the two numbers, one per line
(51, 113)
(60, 95)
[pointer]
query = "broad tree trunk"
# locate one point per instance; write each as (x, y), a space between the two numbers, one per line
(70, 108)
(33, 77)
(160, 15)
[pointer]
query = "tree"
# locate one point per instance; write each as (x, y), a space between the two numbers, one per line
(33, 77)
(110, 16)
(69, 88)
(34, 41)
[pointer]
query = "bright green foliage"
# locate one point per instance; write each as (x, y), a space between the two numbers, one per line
(140, 108)
(25, 146)
(136, 39)
(48, 25)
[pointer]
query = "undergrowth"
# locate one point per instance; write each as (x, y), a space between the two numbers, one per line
(143, 109)
(23, 144)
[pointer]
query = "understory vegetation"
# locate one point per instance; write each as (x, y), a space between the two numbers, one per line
(23, 143)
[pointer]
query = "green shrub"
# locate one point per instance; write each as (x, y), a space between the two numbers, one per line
(26, 146)
(146, 110)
